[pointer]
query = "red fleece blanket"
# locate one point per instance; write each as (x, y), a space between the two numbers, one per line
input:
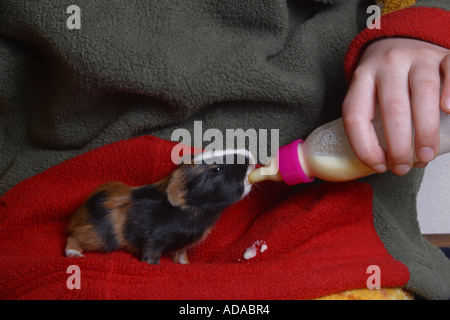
(319, 241)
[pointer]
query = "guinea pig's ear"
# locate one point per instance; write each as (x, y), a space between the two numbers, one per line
(176, 189)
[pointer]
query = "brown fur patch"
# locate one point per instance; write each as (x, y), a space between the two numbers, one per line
(118, 204)
(176, 189)
(82, 234)
(175, 184)
(162, 184)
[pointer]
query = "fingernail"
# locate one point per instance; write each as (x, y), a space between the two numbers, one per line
(447, 104)
(420, 164)
(380, 168)
(425, 154)
(401, 169)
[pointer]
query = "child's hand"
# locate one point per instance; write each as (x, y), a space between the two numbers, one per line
(405, 76)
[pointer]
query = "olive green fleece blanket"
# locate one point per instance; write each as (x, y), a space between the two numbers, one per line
(76, 78)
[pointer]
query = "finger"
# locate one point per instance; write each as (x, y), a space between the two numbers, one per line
(358, 111)
(424, 82)
(445, 94)
(393, 94)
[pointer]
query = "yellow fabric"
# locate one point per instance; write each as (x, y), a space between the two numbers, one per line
(392, 5)
(367, 294)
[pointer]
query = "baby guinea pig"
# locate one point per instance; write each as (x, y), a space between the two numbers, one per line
(166, 217)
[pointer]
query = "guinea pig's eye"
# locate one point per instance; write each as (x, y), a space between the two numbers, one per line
(216, 169)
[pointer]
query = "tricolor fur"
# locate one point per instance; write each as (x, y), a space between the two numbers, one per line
(167, 217)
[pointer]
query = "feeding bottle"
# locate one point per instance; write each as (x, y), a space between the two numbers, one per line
(326, 154)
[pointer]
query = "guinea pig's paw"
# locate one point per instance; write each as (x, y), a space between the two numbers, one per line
(183, 259)
(151, 257)
(180, 257)
(72, 253)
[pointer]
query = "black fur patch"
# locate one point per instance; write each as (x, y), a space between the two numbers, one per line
(158, 227)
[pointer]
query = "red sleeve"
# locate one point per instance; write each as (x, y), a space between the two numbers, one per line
(428, 24)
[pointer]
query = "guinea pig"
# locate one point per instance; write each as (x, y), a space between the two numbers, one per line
(166, 217)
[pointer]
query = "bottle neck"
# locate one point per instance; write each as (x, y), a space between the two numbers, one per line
(291, 164)
(304, 162)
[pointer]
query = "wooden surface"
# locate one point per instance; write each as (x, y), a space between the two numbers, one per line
(440, 240)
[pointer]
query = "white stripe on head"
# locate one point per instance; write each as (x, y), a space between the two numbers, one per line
(217, 157)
